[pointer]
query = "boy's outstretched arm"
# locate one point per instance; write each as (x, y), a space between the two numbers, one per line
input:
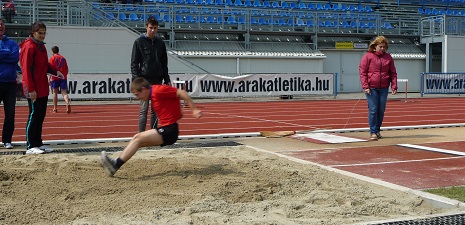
(197, 113)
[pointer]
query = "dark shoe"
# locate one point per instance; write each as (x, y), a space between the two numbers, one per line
(107, 164)
(378, 135)
(54, 111)
(374, 137)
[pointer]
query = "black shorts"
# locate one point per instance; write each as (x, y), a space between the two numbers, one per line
(169, 134)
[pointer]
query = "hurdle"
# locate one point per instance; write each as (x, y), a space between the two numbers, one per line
(406, 87)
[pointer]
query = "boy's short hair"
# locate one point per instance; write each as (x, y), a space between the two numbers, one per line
(139, 83)
(152, 21)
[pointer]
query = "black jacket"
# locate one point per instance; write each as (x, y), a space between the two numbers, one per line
(149, 60)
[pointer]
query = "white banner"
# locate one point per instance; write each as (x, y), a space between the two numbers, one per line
(446, 83)
(99, 86)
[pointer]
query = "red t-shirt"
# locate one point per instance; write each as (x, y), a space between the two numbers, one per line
(166, 104)
(59, 62)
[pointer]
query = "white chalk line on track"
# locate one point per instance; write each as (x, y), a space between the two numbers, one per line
(396, 162)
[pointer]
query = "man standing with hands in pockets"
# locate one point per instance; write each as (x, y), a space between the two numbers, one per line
(149, 60)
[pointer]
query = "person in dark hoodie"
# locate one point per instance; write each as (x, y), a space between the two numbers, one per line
(149, 60)
(9, 57)
(35, 66)
(377, 73)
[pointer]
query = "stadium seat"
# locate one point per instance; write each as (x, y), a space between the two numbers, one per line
(179, 19)
(241, 20)
(228, 3)
(149, 1)
(220, 19)
(238, 3)
(253, 21)
(248, 3)
(275, 5)
(335, 7)
(169, 1)
(387, 25)
(219, 2)
(231, 20)
(211, 19)
(319, 6)
(371, 25)
(190, 2)
(327, 6)
(257, 3)
(262, 21)
(345, 24)
(300, 22)
(352, 8)
(144, 17)
(199, 2)
(190, 19)
(284, 5)
(159, 18)
(133, 17)
(122, 17)
(311, 6)
(167, 18)
(201, 19)
(302, 6)
(282, 22)
(368, 9)
(428, 11)
(293, 5)
(310, 23)
(209, 2)
(266, 4)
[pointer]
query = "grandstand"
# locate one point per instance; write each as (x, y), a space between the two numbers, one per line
(197, 32)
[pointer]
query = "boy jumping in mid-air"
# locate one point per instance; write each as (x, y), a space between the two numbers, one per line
(165, 100)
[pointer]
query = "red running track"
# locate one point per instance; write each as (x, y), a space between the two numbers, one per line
(120, 120)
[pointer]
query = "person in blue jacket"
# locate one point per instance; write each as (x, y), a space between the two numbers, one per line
(9, 57)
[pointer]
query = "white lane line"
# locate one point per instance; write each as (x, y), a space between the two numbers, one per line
(433, 149)
(393, 162)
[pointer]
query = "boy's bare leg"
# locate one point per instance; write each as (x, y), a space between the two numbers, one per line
(144, 139)
(66, 98)
(55, 100)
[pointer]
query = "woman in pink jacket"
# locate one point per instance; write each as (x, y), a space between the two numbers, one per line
(377, 73)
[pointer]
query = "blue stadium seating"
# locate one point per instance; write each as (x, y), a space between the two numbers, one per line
(167, 18)
(262, 21)
(133, 17)
(275, 5)
(231, 20)
(241, 20)
(190, 19)
(122, 17)
(310, 23)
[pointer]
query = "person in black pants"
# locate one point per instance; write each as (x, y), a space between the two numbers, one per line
(9, 57)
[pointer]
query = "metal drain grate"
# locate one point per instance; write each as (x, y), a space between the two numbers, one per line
(458, 219)
(116, 149)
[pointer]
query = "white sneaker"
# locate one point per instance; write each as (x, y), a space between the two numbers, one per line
(46, 148)
(8, 146)
(34, 150)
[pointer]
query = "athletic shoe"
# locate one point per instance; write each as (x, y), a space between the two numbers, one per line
(379, 135)
(8, 146)
(107, 164)
(46, 148)
(68, 109)
(34, 150)
(374, 137)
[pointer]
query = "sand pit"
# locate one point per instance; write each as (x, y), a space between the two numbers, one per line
(221, 185)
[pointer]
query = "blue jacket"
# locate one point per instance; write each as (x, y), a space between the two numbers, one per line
(9, 57)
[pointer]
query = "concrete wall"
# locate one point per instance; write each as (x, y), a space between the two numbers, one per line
(108, 50)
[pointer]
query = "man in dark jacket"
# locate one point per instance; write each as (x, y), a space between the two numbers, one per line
(9, 57)
(149, 60)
